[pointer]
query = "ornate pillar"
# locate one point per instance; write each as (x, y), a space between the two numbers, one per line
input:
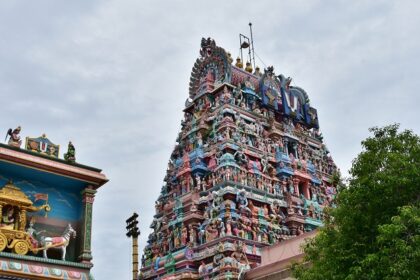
(296, 185)
(88, 195)
(286, 147)
(306, 190)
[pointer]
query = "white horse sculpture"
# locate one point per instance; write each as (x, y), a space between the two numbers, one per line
(60, 242)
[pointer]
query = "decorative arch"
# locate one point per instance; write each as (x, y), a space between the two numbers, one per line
(212, 67)
(301, 94)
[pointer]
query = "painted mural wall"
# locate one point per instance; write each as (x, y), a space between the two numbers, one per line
(62, 194)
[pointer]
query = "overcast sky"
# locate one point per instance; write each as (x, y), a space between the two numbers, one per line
(112, 76)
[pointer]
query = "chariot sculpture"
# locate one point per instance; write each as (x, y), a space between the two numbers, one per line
(14, 206)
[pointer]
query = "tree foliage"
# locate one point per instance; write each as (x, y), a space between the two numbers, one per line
(374, 231)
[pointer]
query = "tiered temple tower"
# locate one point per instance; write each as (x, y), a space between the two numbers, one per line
(249, 169)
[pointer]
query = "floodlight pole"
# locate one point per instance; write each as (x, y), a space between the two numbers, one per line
(134, 232)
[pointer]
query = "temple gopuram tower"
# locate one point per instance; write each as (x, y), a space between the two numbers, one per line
(249, 170)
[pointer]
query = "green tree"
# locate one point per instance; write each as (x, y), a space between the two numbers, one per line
(374, 231)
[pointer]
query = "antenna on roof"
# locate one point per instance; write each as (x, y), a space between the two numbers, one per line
(251, 50)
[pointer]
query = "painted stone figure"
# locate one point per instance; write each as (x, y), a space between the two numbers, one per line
(59, 242)
(14, 137)
(8, 218)
(192, 235)
(71, 153)
(242, 201)
(35, 235)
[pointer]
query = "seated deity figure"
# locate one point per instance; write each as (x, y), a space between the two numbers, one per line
(14, 138)
(8, 219)
(242, 200)
(211, 232)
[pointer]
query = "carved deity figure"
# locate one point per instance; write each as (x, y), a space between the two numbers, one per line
(291, 187)
(254, 209)
(176, 237)
(186, 159)
(71, 153)
(277, 214)
(278, 190)
(199, 140)
(226, 96)
(211, 232)
(221, 228)
(212, 162)
(229, 226)
(193, 235)
(314, 197)
(242, 200)
(184, 235)
(202, 233)
(214, 206)
(300, 230)
(241, 258)
(14, 138)
(193, 208)
(202, 269)
(198, 182)
(8, 218)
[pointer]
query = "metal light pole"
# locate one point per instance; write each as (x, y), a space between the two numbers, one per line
(252, 46)
(134, 232)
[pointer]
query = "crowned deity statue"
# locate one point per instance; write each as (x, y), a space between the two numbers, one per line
(242, 200)
(71, 153)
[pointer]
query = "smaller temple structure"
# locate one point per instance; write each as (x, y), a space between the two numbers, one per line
(45, 210)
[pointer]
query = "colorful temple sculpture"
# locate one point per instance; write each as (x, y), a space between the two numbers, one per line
(249, 170)
(45, 210)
